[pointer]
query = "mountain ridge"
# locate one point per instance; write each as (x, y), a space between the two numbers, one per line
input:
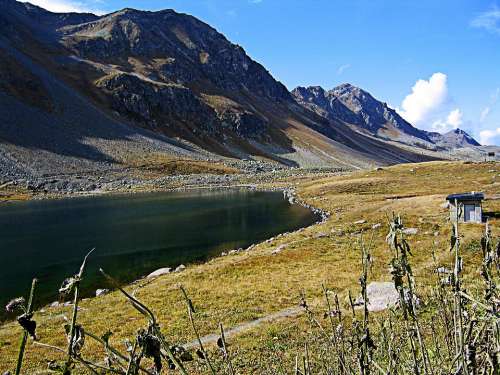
(359, 109)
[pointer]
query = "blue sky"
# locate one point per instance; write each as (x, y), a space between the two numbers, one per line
(436, 61)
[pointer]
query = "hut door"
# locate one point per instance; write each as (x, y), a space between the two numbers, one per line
(469, 212)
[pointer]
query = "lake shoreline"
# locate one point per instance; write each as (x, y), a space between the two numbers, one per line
(288, 192)
(14, 191)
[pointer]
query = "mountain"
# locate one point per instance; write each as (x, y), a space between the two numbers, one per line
(455, 138)
(81, 92)
(361, 110)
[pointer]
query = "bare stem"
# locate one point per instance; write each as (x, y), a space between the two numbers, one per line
(24, 337)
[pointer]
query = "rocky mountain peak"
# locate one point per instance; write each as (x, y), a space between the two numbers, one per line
(359, 108)
(456, 138)
(173, 48)
(355, 98)
(461, 138)
(459, 131)
(346, 87)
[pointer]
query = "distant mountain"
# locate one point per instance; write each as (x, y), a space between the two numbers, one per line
(456, 138)
(362, 112)
(89, 92)
(359, 109)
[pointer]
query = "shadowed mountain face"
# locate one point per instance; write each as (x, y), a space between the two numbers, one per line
(86, 89)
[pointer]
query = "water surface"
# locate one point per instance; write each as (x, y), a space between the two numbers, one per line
(133, 234)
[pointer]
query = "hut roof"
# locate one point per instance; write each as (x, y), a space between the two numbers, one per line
(466, 197)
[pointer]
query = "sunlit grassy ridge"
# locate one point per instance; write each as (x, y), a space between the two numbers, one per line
(250, 285)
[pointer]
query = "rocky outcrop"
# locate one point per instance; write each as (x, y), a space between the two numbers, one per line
(161, 104)
(157, 104)
(244, 123)
(322, 102)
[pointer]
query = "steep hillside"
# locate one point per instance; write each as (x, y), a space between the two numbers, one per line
(81, 92)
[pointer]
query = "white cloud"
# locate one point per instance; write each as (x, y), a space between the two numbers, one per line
(66, 6)
(489, 21)
(440, 126)
(484, 113)
(343, 68)
(455, 118)
(489, 137)
(453, 121)
(426, 98)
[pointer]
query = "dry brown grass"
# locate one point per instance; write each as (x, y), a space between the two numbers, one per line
(13, 193)
(157, 165)
(249, 285)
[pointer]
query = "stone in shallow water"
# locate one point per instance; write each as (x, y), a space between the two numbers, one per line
(381, 295)
(159, 272)
(181, 268)
(101, 292)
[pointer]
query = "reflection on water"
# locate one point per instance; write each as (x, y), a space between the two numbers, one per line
(133, 234)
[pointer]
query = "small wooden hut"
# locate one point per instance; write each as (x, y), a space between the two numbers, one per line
(469, 207)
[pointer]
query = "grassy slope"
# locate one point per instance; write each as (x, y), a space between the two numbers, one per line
(242, 287)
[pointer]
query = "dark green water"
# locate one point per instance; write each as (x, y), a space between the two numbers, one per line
(133, 235)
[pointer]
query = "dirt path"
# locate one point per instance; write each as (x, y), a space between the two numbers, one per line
(212, 338)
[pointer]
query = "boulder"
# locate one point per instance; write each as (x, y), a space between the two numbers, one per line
(410, 231)
(101, 292)
(159, 272)
(181, 268)
(443, 270)
(381, 295)
(362, 221)
(279, 249)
